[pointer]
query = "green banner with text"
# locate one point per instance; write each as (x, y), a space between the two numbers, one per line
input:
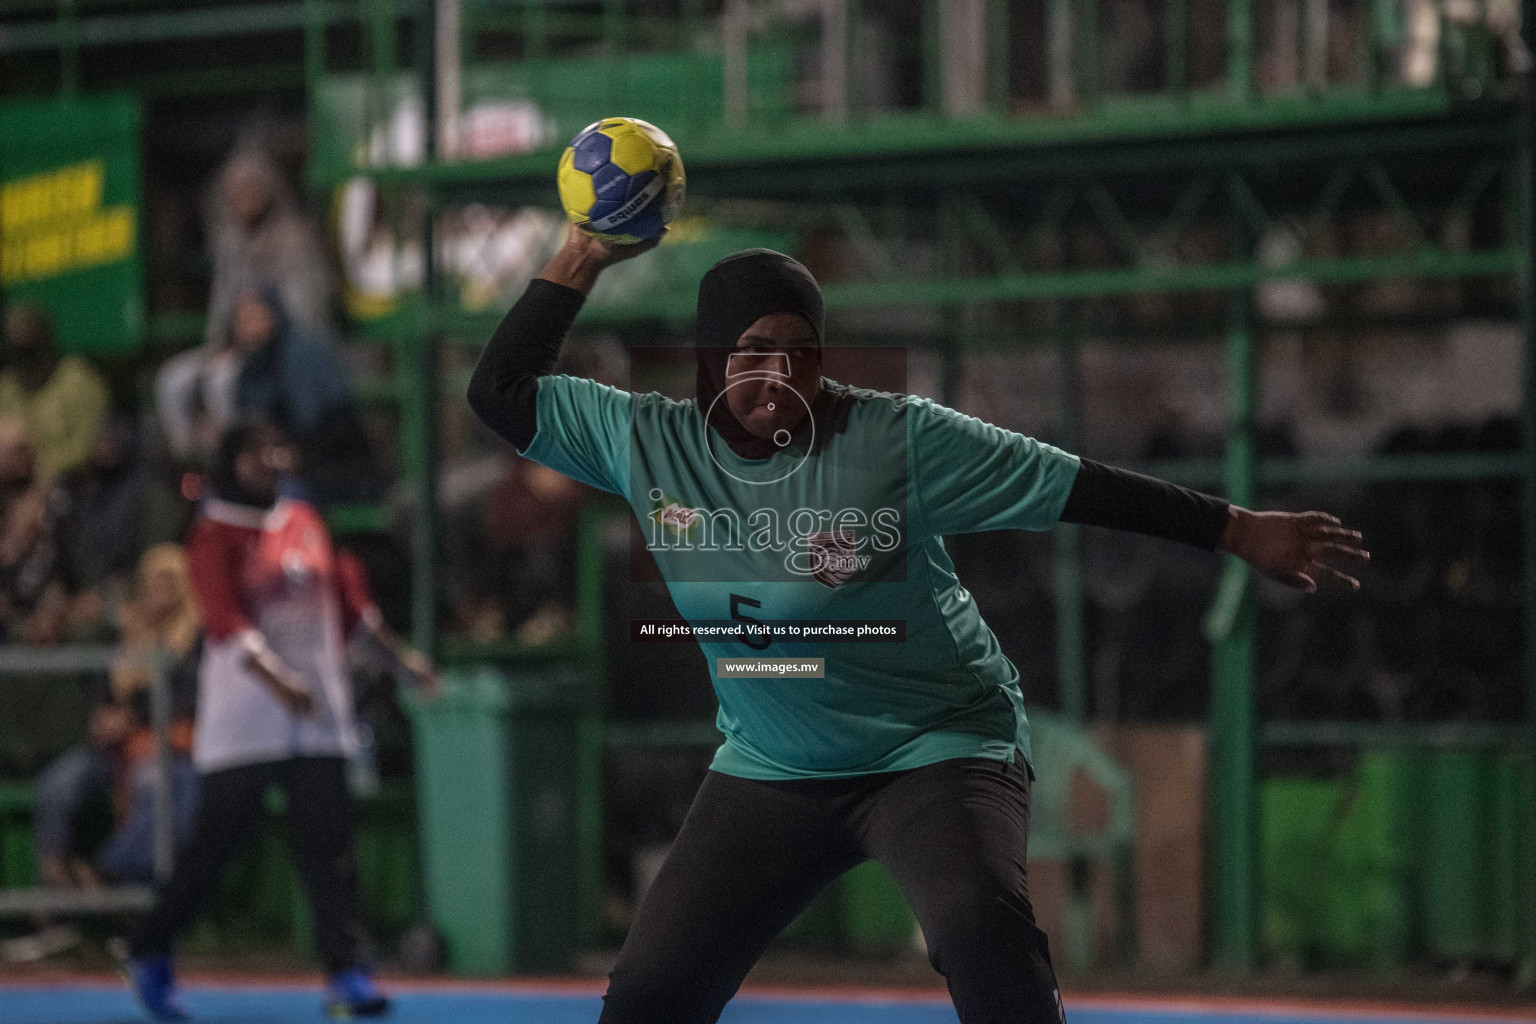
(69, 217)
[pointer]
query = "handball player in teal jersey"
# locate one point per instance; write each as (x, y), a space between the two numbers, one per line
(778, 495)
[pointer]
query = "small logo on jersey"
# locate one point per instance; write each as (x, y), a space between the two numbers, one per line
(834, 556)
(678, 516)
(297, 570)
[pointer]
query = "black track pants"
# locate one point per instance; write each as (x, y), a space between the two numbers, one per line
(751, 855)
(230, 813)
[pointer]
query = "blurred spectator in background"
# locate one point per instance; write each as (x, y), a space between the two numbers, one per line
(34, 604)
(510, 526)
(297, 380)
(260, 238)
(1422, 49)
(115, 769)
(62, 398)
(289, 375)
(516, 547)
(195, 398)
(1130, 56)
(42, 714)
(377, 260)
(160, 620)
(115, 509)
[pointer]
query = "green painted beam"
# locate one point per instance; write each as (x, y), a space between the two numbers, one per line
(249, 79)
(211, 22)
(1233, 628)
(1176, 46)
(1067, 538)
(1151, 279)
(933, 56)
(314, 48)
(379, 35)
(357, 517)
(592, 525)
(418, 363)
(998, 41)
(46, 8)
(1428, 735)
(536, 23)
(471, 329)
(678, 308)
(1148, 134)
(1240, 50)
(416, 367)
(1086, 70)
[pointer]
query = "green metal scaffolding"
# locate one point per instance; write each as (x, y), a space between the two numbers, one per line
(1230, 143)
(983, 189)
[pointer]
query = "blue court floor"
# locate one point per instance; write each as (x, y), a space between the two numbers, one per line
(98, 1002)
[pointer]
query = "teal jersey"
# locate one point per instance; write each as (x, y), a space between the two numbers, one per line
(846, 526)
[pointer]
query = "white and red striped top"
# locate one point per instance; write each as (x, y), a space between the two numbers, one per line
(273, 571)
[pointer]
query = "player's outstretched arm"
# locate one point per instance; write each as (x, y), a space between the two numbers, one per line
(505, 387)
(1299, 549)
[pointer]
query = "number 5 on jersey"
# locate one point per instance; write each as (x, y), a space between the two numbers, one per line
(757, 643)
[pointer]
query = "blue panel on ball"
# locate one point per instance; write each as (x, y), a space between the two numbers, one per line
(637, 182)
(603, 207)
(647, 225)
(610, 182)
(591, 152)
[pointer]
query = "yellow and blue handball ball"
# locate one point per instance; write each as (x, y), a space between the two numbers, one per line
(622, 180)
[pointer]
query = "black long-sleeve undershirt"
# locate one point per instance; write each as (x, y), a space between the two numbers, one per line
(504, 392)
(1122, 500)
(505, 388)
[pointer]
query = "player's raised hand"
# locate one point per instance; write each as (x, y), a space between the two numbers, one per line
(584, 256)
(608, 252)
(1299, 549)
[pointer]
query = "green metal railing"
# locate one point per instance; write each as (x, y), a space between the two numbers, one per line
(618, 40)
(66, 666)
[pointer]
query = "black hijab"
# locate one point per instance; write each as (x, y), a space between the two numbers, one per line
(734, 294)
(223, 481)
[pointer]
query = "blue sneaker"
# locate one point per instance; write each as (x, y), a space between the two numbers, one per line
(153, 981)
(352, 993)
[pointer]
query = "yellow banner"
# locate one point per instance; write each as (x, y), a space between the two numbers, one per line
(104, 238)
(53, 223)
(66, 192)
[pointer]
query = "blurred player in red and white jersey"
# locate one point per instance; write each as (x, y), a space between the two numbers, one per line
(274, 707)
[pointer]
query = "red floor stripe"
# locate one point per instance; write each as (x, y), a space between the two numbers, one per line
(1334, 1009)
